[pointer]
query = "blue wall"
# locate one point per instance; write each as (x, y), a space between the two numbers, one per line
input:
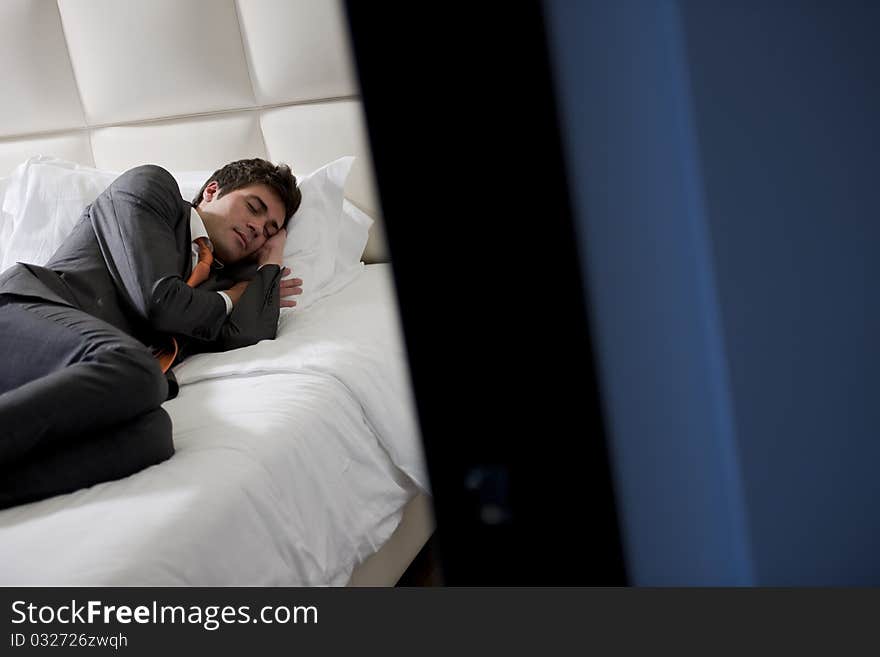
(723, 167)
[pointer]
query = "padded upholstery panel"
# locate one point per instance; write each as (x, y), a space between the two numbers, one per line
(188, 84)
(194, 144)
(142, 60)
(307, 136)
(72, 146)
(315, 31)
(37, 88)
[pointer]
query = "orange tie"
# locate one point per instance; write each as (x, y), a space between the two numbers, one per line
(202, 269)
(199, 275)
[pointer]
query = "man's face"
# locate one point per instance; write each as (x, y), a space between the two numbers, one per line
(241, 221)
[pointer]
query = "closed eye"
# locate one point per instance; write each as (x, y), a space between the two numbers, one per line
(271, 227)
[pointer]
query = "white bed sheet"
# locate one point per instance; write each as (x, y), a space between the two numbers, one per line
(289, 467)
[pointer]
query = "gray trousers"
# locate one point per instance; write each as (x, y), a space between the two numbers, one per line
(80, 402)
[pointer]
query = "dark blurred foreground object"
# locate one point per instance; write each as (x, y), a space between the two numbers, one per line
(463, 132)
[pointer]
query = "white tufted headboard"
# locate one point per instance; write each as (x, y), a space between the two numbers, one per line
(186, 84)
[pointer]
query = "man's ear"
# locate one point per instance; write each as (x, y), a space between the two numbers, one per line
(210, 192)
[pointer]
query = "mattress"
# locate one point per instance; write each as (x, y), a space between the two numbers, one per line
(295, 459)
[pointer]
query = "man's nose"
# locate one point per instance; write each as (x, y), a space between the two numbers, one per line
(256, 225)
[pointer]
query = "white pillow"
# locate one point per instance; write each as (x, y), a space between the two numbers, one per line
(324, 237)
(45, 197)
(353, 236)
(5, 222)
(43, 202)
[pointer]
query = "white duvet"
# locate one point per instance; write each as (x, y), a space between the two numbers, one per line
(294, 460)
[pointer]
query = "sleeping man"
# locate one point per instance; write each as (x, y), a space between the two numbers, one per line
(144, 271)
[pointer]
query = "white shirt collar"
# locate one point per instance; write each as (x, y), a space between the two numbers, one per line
(197, 227)
(197, 230)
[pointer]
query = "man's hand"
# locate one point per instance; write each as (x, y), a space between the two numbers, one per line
(289, 288)
(272, 252)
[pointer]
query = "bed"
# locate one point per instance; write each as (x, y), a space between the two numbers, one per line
(298, 460)
(295, 460)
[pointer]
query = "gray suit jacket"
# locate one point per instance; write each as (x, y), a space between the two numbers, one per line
(127, 261)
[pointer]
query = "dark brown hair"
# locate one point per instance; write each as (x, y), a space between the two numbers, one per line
(243, 173)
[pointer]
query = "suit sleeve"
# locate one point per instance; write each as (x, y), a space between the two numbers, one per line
(253, 318)
(134, 220)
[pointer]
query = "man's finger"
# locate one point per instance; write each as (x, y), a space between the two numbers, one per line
(287, 304)
(293, 290)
